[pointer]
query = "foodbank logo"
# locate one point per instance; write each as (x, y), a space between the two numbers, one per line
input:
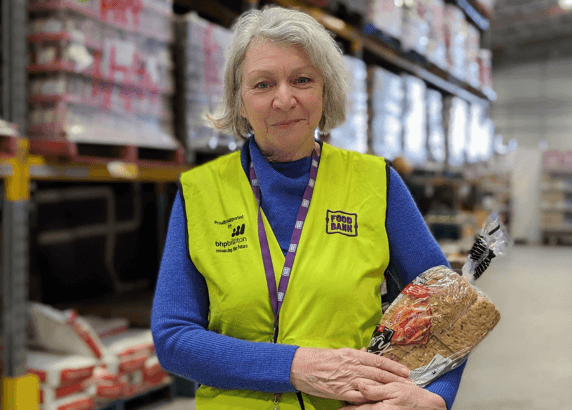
(341, 222)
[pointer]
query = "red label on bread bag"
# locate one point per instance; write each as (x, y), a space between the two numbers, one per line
(412, 324)
(416, 291)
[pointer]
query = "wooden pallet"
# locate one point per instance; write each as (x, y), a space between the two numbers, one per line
(91, 153)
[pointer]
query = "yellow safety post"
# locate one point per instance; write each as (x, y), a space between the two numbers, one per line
(18, 184)
(21, 393)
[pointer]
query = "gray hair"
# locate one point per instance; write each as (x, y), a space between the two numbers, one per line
(289, 27)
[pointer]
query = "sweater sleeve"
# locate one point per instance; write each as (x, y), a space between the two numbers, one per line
(179, 323)
(413, 250)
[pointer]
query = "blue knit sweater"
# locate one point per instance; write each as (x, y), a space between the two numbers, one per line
(180, 310)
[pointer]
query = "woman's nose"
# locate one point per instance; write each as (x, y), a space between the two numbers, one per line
(284, 98)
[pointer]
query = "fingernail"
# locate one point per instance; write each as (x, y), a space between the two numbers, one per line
(405, 371)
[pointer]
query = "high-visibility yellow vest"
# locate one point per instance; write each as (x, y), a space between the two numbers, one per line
(333, 298)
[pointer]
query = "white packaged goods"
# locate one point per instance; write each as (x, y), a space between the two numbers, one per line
(481, 134)
(456, 38)
(57, 370)
(437, 48)
(456, 121)
(416, 29)
(473, 49)
(436, 141)
(108, 385)
(473, 148)
(135, 383)
(7, 129)
(133, 347)
(352, 134)
(485, 68)
(415, 120)
(386, 16)
(203, 46)
(107, 326)
(101, 72)
(386, 107)
(63, 331)
(80, 401)
(49, 396)
(153, 373)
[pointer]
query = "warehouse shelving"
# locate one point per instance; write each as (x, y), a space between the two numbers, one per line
(556, 204)
(20, 165)
(359, 42)
(18, 169)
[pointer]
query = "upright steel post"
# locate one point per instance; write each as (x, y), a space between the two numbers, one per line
(14, 285)
(19, 391)
(14, 60)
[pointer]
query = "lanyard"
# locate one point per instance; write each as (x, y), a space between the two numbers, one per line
(277, 295)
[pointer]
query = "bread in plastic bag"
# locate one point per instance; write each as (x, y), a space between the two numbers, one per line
(433, 324)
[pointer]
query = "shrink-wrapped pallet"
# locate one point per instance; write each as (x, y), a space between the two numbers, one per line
(385, 109)
(101, 73)
(352, 134)
(437, 47)
(414, 120)
(416, 26)
(456, 117)
(456, 38)
(202, 47)
(386, 16)
(436, 142)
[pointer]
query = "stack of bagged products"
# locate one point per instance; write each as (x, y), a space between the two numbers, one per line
(84, 361)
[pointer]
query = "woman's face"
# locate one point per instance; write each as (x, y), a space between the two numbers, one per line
(281, 99)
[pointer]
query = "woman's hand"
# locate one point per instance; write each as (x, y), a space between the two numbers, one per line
(336, 374)
(398, 396)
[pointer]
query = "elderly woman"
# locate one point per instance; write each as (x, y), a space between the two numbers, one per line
(269, 287)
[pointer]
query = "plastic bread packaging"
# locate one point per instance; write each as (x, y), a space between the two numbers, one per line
(440, 317)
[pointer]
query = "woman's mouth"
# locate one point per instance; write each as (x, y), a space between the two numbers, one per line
(285, 124)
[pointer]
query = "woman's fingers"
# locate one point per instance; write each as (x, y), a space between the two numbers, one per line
(382, 376)
(383, 363)
(336, 373)
(376, 392)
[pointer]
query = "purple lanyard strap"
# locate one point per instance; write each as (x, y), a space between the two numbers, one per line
(277, 295)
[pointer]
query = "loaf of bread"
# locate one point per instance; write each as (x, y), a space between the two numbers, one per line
(434, 323)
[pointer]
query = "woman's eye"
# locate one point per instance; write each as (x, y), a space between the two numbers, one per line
(263, 85)
(303, 80)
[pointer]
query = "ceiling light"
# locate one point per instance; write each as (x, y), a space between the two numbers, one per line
(565, 4)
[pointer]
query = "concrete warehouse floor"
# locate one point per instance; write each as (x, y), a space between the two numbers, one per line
(526, 361)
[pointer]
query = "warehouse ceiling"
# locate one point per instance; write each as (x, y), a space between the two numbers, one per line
(528, 30)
